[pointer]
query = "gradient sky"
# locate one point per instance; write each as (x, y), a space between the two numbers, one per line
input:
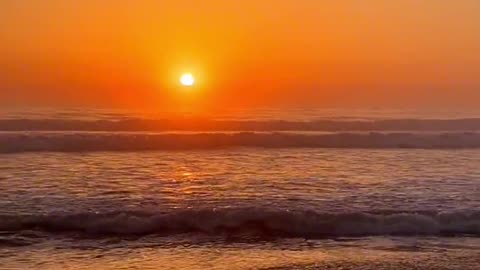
(130, 53)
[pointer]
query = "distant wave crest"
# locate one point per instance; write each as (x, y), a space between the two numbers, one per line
(307, 224)
(78, 142)
(201, 124)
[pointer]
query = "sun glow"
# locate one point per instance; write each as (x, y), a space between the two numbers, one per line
(187, 79)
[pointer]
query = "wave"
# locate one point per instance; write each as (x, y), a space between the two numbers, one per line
(201, 124)
(85, 142)
(261, 222)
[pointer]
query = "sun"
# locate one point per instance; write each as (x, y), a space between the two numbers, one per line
(187, 79)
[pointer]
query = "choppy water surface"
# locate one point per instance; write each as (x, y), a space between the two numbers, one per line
(91, 203)
(240, 206)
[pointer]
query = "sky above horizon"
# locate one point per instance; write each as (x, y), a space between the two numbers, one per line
(126, 53)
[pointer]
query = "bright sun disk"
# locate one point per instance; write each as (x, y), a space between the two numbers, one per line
(187, 79)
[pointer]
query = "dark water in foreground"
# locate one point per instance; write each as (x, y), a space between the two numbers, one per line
(241, 209)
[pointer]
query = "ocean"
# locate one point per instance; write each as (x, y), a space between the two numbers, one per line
(264, 189)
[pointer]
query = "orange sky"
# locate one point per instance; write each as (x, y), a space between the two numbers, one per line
(130, 53)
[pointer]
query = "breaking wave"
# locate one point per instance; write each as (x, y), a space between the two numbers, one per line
(79, 142)
(261, 222)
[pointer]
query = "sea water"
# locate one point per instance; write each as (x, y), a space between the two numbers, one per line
(300, 190)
